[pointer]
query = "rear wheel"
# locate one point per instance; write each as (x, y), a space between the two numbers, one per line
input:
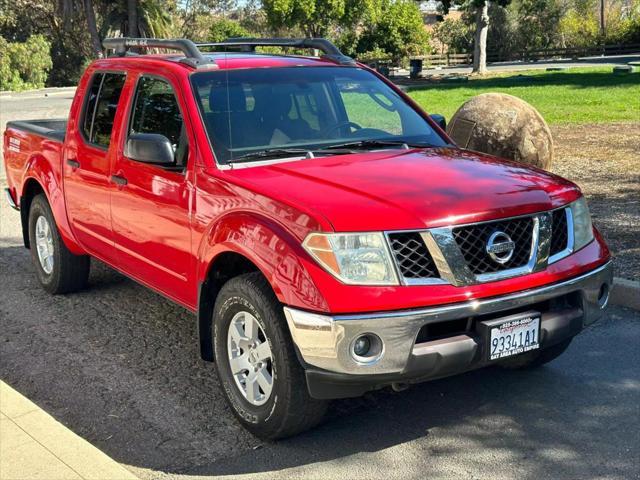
(256, 362)
(537, 358)
(57, 269)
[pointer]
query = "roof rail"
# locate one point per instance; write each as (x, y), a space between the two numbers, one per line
(193, 56)
(330, 51)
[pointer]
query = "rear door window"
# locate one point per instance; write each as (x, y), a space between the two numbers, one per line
(101, 105)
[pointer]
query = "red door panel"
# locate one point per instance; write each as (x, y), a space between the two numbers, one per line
(87, 165)
(151, 227)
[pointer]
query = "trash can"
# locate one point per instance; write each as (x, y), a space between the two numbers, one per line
(383, 70)
(415, 67)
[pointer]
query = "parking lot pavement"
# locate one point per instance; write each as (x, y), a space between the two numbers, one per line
(118, 365)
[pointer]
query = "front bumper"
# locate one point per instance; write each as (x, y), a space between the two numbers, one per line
(325, 342)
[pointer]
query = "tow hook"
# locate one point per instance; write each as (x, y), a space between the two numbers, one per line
(399, 386)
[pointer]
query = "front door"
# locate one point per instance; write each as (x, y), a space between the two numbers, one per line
(150, 207)
(87, 166)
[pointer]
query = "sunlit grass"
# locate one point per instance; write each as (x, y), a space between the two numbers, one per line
(573, 96)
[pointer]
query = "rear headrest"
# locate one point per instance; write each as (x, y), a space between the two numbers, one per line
(218, 101)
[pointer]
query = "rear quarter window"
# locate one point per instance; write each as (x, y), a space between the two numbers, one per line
(100, 107)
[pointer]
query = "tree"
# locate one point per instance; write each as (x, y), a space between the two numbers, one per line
(455, 34)
(314, 17)
(397, 30)
(537, 23)
(152, 18)
(132, 18)
(221, 29)
(480, 9)
(93, 29)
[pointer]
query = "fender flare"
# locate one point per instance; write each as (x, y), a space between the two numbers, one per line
(39, 170)
(271, 248)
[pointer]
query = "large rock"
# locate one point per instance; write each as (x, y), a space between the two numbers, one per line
(505, 126)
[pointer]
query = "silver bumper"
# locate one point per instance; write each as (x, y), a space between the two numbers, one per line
(325, 341)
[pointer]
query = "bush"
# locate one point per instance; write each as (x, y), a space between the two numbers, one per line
(24, 65)
(224, 28)
(455, 34)
(374, 55)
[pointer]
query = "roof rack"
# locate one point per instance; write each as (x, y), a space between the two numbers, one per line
(330, 51)
(193, 56)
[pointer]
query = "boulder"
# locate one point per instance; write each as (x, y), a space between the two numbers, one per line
(505, 126)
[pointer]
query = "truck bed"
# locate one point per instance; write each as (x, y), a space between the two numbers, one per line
(34, 145)
(52, 128)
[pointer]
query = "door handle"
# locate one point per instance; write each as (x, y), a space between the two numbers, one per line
(117, 179)
(73, 163)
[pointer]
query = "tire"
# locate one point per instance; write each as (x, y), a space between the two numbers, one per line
(62, 271)
(537, 358)
(288, 409)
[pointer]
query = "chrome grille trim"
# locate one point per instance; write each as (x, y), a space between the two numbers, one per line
(453, 268)
(570, 238)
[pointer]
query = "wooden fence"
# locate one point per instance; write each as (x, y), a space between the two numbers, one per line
(452, 59)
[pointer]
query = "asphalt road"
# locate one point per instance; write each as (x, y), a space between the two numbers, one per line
(118, 365)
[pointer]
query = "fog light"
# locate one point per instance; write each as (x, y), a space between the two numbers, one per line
(367, 349)
(361, 346)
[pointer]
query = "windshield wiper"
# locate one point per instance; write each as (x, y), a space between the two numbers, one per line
(270, 153)
(283, 152)
(361, 144)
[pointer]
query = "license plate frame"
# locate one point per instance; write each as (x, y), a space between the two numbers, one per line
(516, 328)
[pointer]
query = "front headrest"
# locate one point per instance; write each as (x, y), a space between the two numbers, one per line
(219, 102)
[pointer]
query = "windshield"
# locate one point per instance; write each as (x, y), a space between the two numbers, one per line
(258, 111)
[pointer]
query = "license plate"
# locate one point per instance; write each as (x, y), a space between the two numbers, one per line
(514, 335)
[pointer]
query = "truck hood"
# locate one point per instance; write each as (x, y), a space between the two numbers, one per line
(409, 189)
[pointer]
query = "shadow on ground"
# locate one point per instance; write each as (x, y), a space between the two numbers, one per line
(118, 365)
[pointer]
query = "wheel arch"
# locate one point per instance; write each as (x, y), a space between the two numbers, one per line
(40, 177)
(246, 242)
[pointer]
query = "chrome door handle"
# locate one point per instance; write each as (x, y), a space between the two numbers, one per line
(73, 163)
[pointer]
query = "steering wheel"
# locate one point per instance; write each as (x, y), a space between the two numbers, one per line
(329, 130)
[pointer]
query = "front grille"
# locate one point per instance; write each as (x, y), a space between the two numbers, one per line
(412, 257)
(559, 231)
(473, 239)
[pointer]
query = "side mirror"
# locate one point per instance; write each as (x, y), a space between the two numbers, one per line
(150, 148)
(440, 120)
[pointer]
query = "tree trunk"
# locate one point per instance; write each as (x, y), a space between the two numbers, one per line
(602, 23)
(480, 40)
(132, 18)
(90, 14)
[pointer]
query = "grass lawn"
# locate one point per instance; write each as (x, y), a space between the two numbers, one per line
(573, 96)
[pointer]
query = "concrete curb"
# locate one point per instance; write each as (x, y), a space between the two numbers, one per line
(35, 445)
(626, 293)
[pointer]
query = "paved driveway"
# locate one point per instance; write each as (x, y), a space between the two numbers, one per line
(118, 365)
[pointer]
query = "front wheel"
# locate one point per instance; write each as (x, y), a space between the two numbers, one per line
(260, 374)
(58, 270)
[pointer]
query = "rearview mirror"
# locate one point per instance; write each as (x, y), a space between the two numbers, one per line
(440, 120)
(150, 148)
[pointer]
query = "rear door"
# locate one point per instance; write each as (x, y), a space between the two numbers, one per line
(87, 165)
(150, 208)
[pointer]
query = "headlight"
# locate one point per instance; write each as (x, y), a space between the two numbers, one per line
(582, 227)
(354, 258)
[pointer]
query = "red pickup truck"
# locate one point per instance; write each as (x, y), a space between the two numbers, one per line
(327, 233)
